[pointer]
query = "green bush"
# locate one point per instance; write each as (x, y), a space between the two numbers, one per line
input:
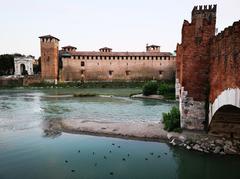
(150, 88)
(171, 120)
(163, 88)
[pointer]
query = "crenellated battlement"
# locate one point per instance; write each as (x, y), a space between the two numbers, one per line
(204, 12)
(228, 31)
(205, 8)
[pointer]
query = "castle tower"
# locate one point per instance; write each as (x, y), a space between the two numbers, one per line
(193, 62)
(49, 58)
(152, 48)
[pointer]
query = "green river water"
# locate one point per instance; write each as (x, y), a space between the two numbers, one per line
(28, 151)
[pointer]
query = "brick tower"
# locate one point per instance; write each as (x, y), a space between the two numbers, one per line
(193, 62)
(49, 58)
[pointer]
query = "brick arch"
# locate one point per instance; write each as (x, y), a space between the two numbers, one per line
(229, 96)
(226, 122)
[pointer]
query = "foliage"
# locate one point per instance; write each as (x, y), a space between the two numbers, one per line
(37, 67)
(167, 90)
(150, 88)
(6, 65)
(163, 88)
(171, 120)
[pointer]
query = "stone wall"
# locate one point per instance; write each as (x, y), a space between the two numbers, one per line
(118, 69)
(10, 81)
(31, 80)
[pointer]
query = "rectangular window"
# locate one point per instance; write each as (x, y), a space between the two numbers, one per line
(127, 73)
(110, 72)
(82, 64)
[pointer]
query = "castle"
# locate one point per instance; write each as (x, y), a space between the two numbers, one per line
(69, 64)
(208, 80)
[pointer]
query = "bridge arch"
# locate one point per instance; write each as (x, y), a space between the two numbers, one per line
(224, 114)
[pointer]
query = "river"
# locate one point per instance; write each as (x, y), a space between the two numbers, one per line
(28, 150)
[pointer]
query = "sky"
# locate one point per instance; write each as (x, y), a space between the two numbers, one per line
(123, 25)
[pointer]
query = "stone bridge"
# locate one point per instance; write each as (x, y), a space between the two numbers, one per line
(208, 75)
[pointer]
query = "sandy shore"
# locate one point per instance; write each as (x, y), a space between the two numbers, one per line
(138, 130)
(141, 96)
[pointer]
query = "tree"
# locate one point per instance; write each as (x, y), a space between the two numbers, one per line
(6, 64)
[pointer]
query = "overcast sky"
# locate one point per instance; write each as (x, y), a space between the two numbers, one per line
(124, 25)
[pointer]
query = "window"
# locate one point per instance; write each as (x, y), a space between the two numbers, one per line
(82, 64)
(160, 72)
(110, 72)
(127, 73)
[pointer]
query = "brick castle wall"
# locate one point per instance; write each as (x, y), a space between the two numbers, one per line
(225, 61)
(121, 69)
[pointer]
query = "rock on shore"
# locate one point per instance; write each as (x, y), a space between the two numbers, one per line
(146, 131)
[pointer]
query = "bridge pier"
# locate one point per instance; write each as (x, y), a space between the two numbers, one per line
(192, 112)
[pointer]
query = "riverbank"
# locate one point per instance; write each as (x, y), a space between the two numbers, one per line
(141, 96)
(197, 141)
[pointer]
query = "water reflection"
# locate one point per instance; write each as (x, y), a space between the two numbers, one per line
(207, 166)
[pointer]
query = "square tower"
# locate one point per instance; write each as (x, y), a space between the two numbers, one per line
(49, 58)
